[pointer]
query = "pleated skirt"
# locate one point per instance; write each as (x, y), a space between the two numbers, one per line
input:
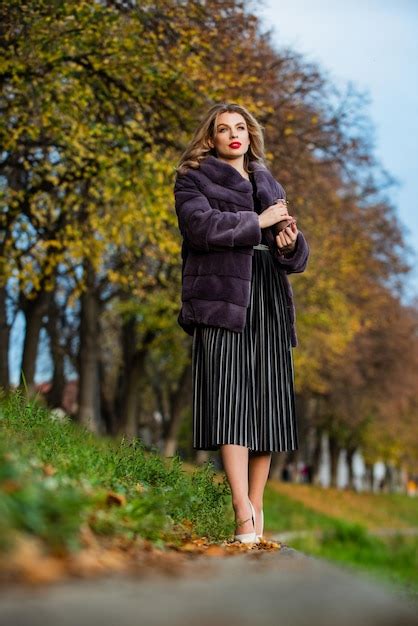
(243, 383)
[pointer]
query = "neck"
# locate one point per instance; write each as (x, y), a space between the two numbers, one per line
(237, 163)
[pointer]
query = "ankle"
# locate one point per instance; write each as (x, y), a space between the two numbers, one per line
(243, 517)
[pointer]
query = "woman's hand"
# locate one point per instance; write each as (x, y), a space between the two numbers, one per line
(273, 214)
(286, 239)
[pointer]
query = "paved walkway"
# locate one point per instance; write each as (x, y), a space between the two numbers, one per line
(284, 588)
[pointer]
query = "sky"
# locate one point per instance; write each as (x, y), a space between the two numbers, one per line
(374, 45)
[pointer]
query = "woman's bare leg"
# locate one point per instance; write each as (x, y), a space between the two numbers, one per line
(258, 471)
(235, 464)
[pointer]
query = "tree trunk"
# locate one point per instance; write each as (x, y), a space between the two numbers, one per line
(350, 454)
(306, 406)
(89, 413)
(132, 370)
(294, 459)
(128, 420)
(177, 401)
(34, 311)
(4, 341)
(390, 479)
(316, 458)
(202, 456)
(107, 403)
(56, 392)
(278, 461)
(369, 476)
(334, 452)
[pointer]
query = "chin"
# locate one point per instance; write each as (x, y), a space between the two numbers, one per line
(234, 155)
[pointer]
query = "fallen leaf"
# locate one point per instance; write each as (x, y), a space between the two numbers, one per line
(215, 550)
(10, 486)
(48, 469)
(115, 498)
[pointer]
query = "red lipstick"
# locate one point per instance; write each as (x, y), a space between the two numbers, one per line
(235, 144)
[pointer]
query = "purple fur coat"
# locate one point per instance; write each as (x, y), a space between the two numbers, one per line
(219, 226)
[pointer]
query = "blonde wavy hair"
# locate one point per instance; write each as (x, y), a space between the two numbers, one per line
(199, 147)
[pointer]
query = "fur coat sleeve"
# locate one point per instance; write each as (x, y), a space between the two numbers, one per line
(295, 261)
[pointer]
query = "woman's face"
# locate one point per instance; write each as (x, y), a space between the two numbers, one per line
(232, 139)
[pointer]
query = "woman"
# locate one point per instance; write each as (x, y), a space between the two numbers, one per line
(237, 303)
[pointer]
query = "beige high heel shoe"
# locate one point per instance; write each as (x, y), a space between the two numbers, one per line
(247, 537)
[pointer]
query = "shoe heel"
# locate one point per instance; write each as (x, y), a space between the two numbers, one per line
(253, 512)
(259, 537)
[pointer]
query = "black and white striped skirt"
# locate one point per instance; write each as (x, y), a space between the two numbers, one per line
(243, 383)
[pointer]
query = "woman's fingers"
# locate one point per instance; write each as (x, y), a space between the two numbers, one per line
(287, 236)
(283, 243)
(293, 230)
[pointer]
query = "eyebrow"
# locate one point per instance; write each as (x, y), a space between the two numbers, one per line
(237, 124)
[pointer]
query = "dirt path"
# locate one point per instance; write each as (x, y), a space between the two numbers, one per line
(284, 588)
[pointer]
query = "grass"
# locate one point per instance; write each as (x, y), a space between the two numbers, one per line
(55, 477)
(282, 513)
(373, 510)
